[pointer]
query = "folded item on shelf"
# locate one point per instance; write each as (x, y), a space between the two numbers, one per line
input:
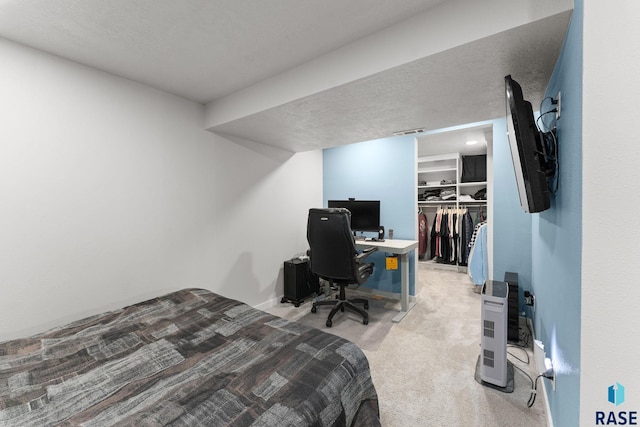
(481, 194)
(429, 195)
(448, 194)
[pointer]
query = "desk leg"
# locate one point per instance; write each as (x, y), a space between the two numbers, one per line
(405, 305)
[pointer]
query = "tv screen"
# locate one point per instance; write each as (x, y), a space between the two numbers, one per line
(365, 214)
(527, 151)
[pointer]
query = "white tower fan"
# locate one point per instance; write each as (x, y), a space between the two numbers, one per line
(493, 343)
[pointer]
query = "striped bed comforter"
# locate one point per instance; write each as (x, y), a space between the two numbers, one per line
(189, 358)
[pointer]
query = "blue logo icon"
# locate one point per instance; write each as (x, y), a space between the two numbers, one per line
(616, 394)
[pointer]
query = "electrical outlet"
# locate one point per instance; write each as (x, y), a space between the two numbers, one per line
(544, 364)
(529, 299)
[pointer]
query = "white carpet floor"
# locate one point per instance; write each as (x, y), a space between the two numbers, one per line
(424, 368)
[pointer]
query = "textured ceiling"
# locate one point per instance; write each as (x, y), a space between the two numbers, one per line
(458, 86)
(197, 49)
(455, 141)
(218, 50)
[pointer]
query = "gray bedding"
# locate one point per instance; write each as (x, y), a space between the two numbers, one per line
(190, 358)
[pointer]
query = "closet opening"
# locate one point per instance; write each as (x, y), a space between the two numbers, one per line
(454, 189)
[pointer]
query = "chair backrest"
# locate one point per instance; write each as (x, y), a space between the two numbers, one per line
(332, 249)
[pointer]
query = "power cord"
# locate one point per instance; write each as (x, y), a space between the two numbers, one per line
(534, 393)
(534, 387)
(554, 110)
(521, 348)
(551, 142)
(539, 119)
(534, 384)
(524, 338)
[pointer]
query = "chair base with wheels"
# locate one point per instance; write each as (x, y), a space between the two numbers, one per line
(340, 303)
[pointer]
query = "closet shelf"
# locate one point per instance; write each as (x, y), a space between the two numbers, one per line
(438, 186)
(473, 184)
(451, 202)
(436, 202)
(436, 170)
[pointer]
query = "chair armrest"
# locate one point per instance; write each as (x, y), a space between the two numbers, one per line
(365, 253)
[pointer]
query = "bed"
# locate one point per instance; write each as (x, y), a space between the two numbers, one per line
(188, 358)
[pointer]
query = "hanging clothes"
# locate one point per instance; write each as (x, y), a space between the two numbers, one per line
(460, 236)
(435, 235)
(422, 234)
(444, 241)
(455, 235)
(475, 233)
(466, 234)
(478, 257)
(450, 236)
(480, 216)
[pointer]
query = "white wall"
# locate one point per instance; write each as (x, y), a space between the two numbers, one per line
(112, 192)
(611, 177)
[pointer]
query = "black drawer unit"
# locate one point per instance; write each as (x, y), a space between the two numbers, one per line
(513, 322)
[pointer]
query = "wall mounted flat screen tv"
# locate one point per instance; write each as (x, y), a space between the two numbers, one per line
(365, 214)
(527, 150)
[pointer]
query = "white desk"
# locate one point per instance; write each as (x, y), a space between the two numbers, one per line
(402, 248)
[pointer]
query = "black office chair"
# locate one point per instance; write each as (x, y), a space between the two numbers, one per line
(334, 257)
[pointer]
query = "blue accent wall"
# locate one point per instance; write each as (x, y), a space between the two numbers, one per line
(545, 249)
(382, 169)
(557, 237)
(511, 225)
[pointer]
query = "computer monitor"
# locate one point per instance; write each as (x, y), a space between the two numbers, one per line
(365, 214)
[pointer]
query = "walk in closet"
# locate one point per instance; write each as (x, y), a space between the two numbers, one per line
(453, 187)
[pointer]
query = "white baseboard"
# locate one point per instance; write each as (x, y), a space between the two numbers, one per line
(545, 396)
(268, 304)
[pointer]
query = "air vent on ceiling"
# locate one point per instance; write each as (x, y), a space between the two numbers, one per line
(408, 132)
